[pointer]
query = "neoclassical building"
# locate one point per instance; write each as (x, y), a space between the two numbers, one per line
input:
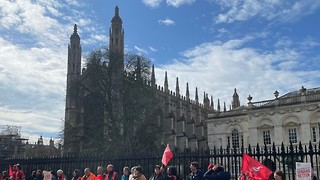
(291, 118)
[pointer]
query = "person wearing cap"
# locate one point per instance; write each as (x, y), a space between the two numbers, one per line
(138, 174)
(60, 175)
(132, 172)
(111, 175)
(126, 173)
(217, 173)
(5, 175)
(210, 166)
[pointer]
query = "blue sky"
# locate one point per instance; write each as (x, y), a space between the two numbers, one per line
(256, 46)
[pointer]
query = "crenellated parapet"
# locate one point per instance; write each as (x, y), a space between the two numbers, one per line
(183, 117)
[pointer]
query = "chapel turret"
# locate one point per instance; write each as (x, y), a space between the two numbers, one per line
(116, 36)
(116, 69)
(72, 89)
(235, 99)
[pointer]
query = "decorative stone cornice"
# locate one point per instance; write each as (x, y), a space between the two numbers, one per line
(231, 121)
(284, 110)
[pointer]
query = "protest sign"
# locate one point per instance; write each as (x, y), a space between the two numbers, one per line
(303, 171)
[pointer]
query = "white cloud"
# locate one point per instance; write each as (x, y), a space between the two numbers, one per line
(152, 3)
(141, 50)
(33, 55)
(219, 67)
(177, 3)
(32, 88)
(153, 49)
(166, 22)
(174, 3)
(278, 10)
(222, 30)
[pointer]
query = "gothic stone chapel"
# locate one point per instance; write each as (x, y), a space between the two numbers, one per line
(112, 108)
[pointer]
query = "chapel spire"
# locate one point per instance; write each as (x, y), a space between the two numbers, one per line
(116, 11)
(75, 38)
(235, 99)
(212, 105)
(166, 85)
(116, 71)
(187, 92)
(138, 69)
(153, 77)
(75, 29)
(116, 37)
(72, 89)
(197, 97)
(177, 88)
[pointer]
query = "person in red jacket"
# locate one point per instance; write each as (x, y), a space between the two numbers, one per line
(111, 175)
(19, 174)
(60, 175)
(13, 176)
(76, 175)
(100, 175)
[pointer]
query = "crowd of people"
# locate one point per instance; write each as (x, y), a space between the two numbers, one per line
(215, 172)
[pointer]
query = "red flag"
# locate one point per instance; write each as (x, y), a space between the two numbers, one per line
(167, 156)
(10, 171)
(253, 169)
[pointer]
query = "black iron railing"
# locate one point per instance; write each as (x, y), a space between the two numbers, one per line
(276, 158)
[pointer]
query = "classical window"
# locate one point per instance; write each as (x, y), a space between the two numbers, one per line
(319, 130)
(293, 135)
(315, 132)
(266, 137)
(235, 138)
(242, 144)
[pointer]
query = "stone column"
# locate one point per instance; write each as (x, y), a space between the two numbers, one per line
(278, 135)
(304, 133)
(253, 136)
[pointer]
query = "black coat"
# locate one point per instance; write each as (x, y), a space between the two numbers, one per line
(221, 175)
(196, 176)
(158, 177)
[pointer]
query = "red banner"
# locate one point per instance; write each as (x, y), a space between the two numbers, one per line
(167, 156)
(253, 169)
(10, 171)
